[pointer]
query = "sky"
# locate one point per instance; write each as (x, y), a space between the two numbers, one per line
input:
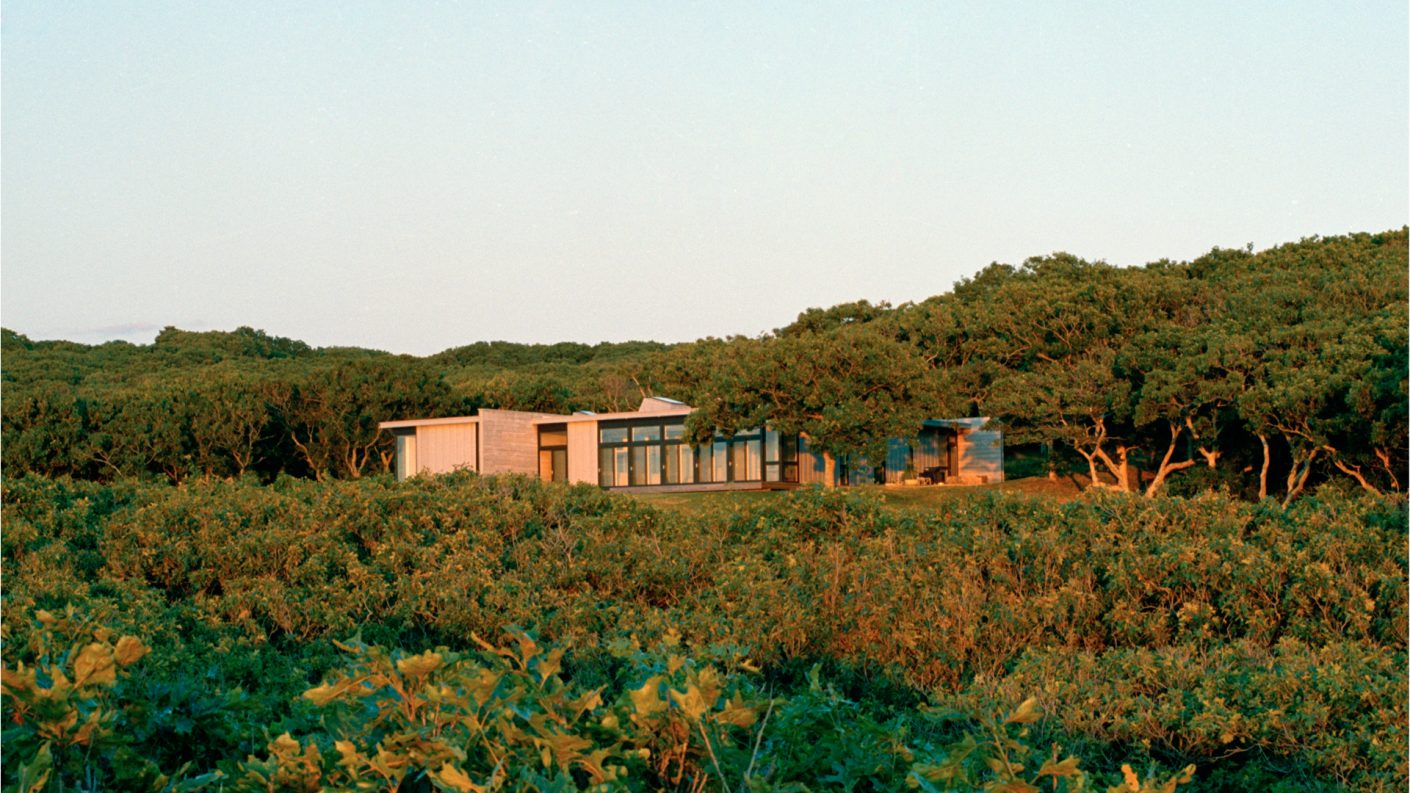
(412, 177)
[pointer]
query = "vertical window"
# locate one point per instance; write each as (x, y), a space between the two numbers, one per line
(621, 465)
(705, 454)
(788, 458)
(680, 464)
(604, 467)
(406, 455)
(719, 456)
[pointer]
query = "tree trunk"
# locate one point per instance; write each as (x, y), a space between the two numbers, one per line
(1384, 457)
(1354, 471)
(1091, 467)
(1121, 471)
(1166, 467)
(1263, 472)
(1297, 477)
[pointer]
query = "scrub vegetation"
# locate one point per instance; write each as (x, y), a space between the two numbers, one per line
(212, 581)
(462, 632)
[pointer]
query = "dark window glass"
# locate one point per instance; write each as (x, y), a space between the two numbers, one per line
(651, 433)
(675, 432)
(788, 448)
(705, 454)
(604, 467)
(619, 465)
(613, 435)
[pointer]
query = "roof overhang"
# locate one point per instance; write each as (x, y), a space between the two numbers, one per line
(407, 423)
(577, 418)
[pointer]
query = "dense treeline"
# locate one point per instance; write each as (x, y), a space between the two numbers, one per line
(1260, 373)
(1266, 646)
(223, 404)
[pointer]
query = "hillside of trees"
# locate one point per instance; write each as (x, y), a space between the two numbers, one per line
(1260, 373)
(212, 583)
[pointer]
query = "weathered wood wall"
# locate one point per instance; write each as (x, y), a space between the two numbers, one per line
(509, 442)
(582, 452)
(442, 448)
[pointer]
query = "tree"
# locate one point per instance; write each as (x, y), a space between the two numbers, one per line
(330, 413)
(848, 390)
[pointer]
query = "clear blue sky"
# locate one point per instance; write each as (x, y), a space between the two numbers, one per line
(416, 176)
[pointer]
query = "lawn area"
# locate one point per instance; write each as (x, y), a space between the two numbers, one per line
(899, 498)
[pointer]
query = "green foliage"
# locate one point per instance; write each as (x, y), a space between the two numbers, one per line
(1148, 630)
(1261, 374)
(504, 717)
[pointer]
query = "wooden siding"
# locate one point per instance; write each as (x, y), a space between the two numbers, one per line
(445, 447)
(509, 442)
(582, 452)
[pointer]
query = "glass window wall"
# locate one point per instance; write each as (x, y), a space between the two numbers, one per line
(643, 453)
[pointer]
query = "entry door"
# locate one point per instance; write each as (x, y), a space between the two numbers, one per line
(553, 465)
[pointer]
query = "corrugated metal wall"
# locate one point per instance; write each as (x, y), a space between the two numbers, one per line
(898, 458)
(810, 464)
(931, 448)
(981, 456)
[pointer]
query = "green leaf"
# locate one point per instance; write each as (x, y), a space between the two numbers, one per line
(35, 774)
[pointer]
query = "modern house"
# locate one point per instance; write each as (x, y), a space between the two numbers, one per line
(646, 448)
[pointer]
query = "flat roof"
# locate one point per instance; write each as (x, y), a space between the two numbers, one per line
(684, 410)
(394, 425)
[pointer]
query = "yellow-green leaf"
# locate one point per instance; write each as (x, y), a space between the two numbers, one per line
(129, 650)
(94, 666)
(647, 699)
(420, 665)
(737, 713)
(455, 779)
(1027, 713)
(348, 755)
(692, 703)
(1066, 767)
